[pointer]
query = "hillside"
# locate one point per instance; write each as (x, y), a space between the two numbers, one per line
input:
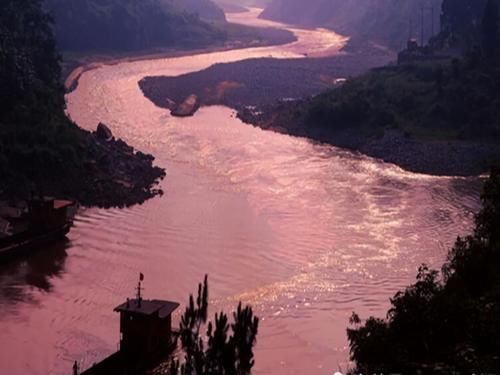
(440, 119)
(243, 3)
(43, 152)
(383, 21)
(426, 116)
(115, 25)
(206, 9)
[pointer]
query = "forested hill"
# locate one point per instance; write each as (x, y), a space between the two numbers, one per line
(125, 25)
(41, 151)
(383, 21)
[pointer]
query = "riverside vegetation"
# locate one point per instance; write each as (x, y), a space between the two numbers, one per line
(41, 150)
(436, 118)
(446, 322)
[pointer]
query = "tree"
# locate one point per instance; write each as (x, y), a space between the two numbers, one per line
(221, 353)
(29, 62)
(488, 219)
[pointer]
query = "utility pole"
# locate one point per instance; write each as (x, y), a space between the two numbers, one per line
(432, 17)
(410, 30)
(422, 26)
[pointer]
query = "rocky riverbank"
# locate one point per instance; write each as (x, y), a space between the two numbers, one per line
(106, 173)
(116, 173)
(434, 157)
(425, 117)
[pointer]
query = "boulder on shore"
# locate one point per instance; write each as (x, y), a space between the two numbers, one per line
(103, 132)
(170, 104)
(188, 107)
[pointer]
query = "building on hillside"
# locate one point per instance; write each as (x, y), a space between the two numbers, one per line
(416, 53)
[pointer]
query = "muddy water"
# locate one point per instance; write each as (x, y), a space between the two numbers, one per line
(306, 233)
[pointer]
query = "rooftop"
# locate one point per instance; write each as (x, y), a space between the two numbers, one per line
(58, 203)
(148, 307)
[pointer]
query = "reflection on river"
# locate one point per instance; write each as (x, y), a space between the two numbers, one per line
(306, 233)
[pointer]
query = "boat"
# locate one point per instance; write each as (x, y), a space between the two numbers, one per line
(146, 337)
(26, 226)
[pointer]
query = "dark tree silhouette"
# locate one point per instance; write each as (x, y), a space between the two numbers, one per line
(29, 62)
(222, 353)
(41, 150)
(449, 325)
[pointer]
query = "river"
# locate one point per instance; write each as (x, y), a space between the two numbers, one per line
(306, 233)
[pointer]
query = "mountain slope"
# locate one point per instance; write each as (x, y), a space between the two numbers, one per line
(92, 25)
(206, 9)
(382, 21)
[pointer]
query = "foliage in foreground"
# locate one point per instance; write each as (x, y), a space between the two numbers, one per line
(447, 324)
(222, 353)
(35, 136)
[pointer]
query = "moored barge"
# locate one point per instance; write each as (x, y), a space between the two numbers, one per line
(26, 226)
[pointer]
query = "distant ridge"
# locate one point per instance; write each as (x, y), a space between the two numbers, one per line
(115, 25)
(383, 21)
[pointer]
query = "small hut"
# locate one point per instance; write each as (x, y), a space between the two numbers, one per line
(145, 326)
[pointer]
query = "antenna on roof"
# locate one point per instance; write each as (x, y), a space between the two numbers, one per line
(139, 288)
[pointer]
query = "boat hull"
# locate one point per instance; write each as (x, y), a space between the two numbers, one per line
(31, 243)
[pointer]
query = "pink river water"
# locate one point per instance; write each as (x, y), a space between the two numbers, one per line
(305, 233)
